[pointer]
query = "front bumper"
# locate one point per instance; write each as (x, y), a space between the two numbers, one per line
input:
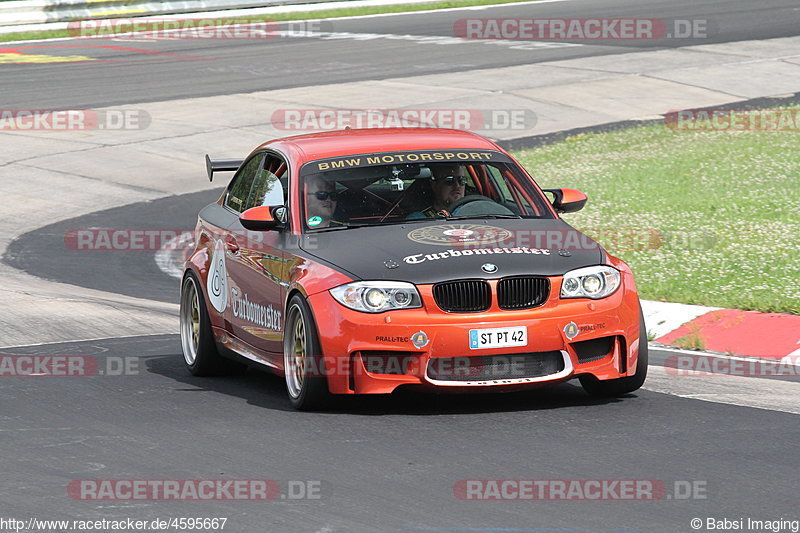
(376, 353)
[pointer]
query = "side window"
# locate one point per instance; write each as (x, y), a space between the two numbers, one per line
(269, 185)
(243, 183)
(267, 190)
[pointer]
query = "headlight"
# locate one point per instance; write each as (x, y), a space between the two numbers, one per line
(377, 296)
(590, 282)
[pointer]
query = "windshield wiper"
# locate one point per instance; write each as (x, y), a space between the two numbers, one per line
(338, 228)
(352, 226)
(412, 221)
(463, 217)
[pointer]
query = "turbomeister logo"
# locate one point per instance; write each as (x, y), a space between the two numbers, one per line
(217, 283)
(460, 234)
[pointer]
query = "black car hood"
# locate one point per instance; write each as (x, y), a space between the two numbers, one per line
(434, 251)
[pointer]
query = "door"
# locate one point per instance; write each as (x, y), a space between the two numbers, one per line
(256, 264)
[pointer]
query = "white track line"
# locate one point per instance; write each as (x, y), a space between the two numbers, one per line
(267, 11)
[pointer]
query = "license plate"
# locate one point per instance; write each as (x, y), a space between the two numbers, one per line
(480, 339)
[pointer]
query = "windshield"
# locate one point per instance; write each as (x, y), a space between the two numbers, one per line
(399, 187)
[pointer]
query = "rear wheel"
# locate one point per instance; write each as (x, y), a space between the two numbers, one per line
(621, 386)
(197, 341)
(302, 358)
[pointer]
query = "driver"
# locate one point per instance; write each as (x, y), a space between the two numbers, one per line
(448, 183)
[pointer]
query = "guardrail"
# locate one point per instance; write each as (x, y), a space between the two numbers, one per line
(13, 13)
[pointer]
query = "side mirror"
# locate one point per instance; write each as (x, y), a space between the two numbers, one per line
(264, 218)
(567, 200)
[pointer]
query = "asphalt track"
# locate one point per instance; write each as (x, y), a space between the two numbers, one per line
(382, 463)
(102, 268)
(386, 463)
(127, 72)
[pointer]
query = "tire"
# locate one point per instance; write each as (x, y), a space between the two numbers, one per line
(301, 353)
(621, 386)
(197, 341)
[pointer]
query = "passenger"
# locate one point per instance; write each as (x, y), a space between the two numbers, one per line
(321, 201)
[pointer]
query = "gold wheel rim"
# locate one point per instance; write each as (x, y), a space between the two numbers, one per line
(195, 311)
(190, 322)
(296, 352)
(299, 351)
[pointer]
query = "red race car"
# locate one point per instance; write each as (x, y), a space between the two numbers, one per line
(359, 261)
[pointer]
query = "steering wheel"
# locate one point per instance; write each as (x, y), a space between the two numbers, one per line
(467, 200)
(479, 205)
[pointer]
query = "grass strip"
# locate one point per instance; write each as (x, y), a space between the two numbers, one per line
(702, 217)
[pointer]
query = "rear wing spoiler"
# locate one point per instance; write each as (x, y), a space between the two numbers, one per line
(221, 165)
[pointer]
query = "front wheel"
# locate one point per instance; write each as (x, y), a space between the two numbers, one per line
(621, 386)
(302, 358)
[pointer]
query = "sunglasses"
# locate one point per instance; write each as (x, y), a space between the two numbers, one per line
(324, 195)
(450, 180)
